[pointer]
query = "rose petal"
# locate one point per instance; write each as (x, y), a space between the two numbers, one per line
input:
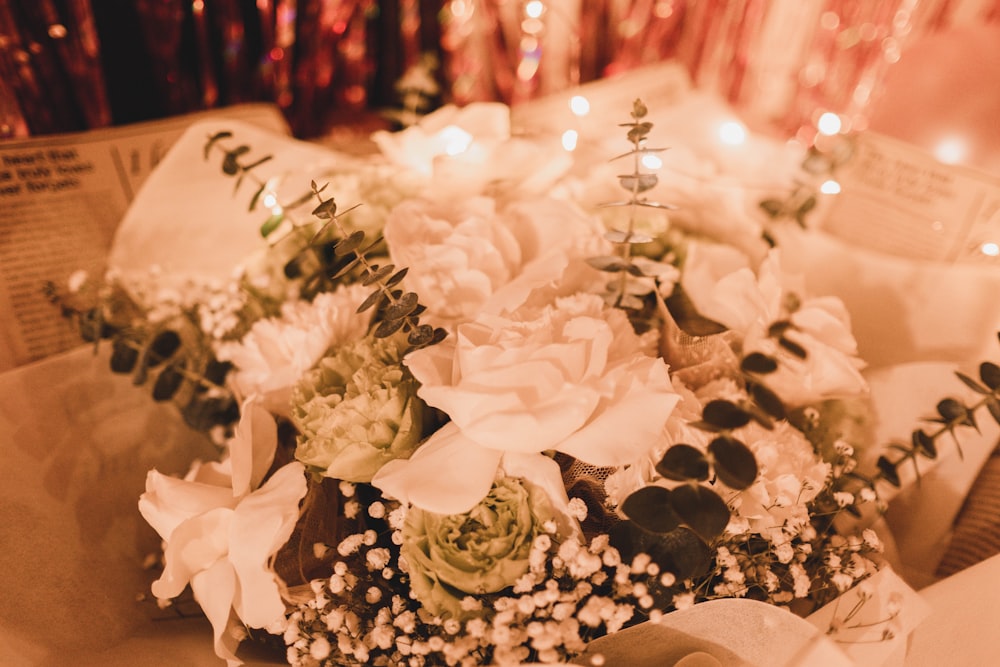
(448, 474)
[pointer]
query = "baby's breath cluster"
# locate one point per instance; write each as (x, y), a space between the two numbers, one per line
(571, 593)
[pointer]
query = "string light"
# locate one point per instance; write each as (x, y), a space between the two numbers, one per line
(455, 140)
(569, 139)
(830, 187)
(534, 9)
(732, 133)
(990, 249)
(951, 150)
(579, 105)
(829, 124)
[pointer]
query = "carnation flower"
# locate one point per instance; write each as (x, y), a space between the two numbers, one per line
(270, 359)
(571, 378)
(484, 550)
(466, 255)
(357, 410)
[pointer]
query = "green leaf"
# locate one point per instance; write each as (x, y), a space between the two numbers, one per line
(618, 236)
(649, 508)
(256, 196)
(376, 297)
(398, 276)
(735, 464)
(888, 470)
(225, 134)
(757, 362)
(687, 316)
(793, 347)
(989, 373)
(124, 355)
(349, 244)
(402, 307)
(702, 509)
(682, 463)
(608, 263)
(725, 414)
(271, 224)
(167, 383)
(230, 164)
(388, 327)
(924, 444)
(377, 274)
(638, 182)
(993, 405)
(326, 210)
(163, 346)
(972, 384)
(767, 400)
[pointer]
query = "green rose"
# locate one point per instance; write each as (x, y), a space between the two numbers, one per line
(482, 551)
(356, 410)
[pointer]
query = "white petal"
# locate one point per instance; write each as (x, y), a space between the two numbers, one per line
(214, 589)
(252, 449)
(193, 547)
(169, 501)
(448, 474)
(262, 524)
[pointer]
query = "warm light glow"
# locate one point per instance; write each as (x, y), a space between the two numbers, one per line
(990, 249)
(455, 140)
(951, 150)
(830, 187)
(569, 139)
(650, 161)
(579, 105)
(829, 124)
(534, 9)
(733, 133)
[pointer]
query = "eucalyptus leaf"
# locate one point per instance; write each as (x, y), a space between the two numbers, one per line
(162, 347)
(649, 508)
(924, 444)
(256, 196)
(725, 414)
(758, 362)
(888, 470)
(167, 383)
(682, 463)
(230, 164)
(349, 244)
(388, 327)
(377, 274)
(769, 401)
(793, 347)
(608, 263)
(702, 509)
(402, 307)
(619, 236)
(218, 136)
(993, 405)
(271, 224)
(124, 355)
(687, 317)
(989, 373)
(972, 384)
(376, 297)
(638, 182)
(397, 277)
(735, 464)
(326, 209)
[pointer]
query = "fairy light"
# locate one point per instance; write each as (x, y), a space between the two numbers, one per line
(270, 201)
(569, 139)
(990, 249)
(829, 124)
(579, 105)
(830, 187)
(534, 9)
(951, 150)
(651, 162)
(732, 133)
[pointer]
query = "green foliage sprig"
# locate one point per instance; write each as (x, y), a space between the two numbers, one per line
(173, 357)
(395, 309)
(952, 414)
(625, 264)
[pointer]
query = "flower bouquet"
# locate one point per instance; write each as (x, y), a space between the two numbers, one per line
(470, 411)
